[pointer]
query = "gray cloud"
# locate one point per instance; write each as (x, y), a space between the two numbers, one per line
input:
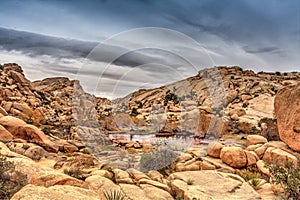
(255, 50)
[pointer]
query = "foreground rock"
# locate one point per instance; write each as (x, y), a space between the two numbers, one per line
(204, 184)
(287, 109)
(57, 192)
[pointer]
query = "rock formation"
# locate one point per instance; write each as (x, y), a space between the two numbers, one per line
(287, 109)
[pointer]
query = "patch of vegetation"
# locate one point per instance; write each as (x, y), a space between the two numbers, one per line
(114, 195)
(190, 181)
(249, 173)
(254, 183)
(171, 97)
(8, 186)
(134, 112)
(43, 98)
(139, 103)
(74, 172)
(159, 159)
(288, 177)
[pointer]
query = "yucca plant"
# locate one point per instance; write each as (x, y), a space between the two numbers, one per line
(114, 195)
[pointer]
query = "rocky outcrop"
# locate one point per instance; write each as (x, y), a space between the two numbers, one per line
(287, 109)
(192, 185)
(19, 129)
(216, 100)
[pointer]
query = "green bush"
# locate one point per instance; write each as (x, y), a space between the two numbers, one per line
(249, 173)
(288, 177)
(8, 186)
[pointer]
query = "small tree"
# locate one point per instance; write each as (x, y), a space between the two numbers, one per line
(287, 176)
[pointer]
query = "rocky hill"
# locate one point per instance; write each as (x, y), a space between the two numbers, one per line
(216, 100)
(47, 103)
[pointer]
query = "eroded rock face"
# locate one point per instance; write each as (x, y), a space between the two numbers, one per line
(287, 109)
(204, 185)
(19, 129)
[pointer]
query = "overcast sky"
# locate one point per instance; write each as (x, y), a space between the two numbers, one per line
(105, 45)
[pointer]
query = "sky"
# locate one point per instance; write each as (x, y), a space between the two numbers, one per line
(115, 47)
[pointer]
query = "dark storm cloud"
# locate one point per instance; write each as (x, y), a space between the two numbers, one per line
(35, 44)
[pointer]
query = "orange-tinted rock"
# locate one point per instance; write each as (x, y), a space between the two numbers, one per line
(234, 157)
(287, 109)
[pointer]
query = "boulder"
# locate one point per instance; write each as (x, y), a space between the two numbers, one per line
(255, 139)
(13, 125)
(99, 184)
(234, 157)
(278, 156)
(204, 184)
(252, 158)
(19, 129)
(47, 178)
(5, 136)
(35, 135)
(35, 152)
(287, 110)
(155, 193)
(57, 192)
(214, 149)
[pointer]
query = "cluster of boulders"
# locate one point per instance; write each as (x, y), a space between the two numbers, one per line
(52, 103)
(216, 100)
(47, 181)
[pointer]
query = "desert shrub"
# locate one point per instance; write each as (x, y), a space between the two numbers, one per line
(134, 112)
(249, 173)
(158, 159)
(74, 172)
(190, 182)
(254, 183)
(171, 97)
(288, 177)
(8, 186)
(114, 195)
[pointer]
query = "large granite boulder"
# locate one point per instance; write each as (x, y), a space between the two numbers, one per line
(287, 110)
(234, 157)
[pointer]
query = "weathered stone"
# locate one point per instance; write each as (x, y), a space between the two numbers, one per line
(255, 139)
(57, 192)
(278, 156)
(5, 136)
(47, 178)
(152, 192)
(261, 166)
(234, 157)
(99, 184)
(287, 110)
(122, 176)
(203, 184)
(35, 152)
(252, 158)
(214, 149)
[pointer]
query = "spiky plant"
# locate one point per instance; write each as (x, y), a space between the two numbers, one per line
(114, 195)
